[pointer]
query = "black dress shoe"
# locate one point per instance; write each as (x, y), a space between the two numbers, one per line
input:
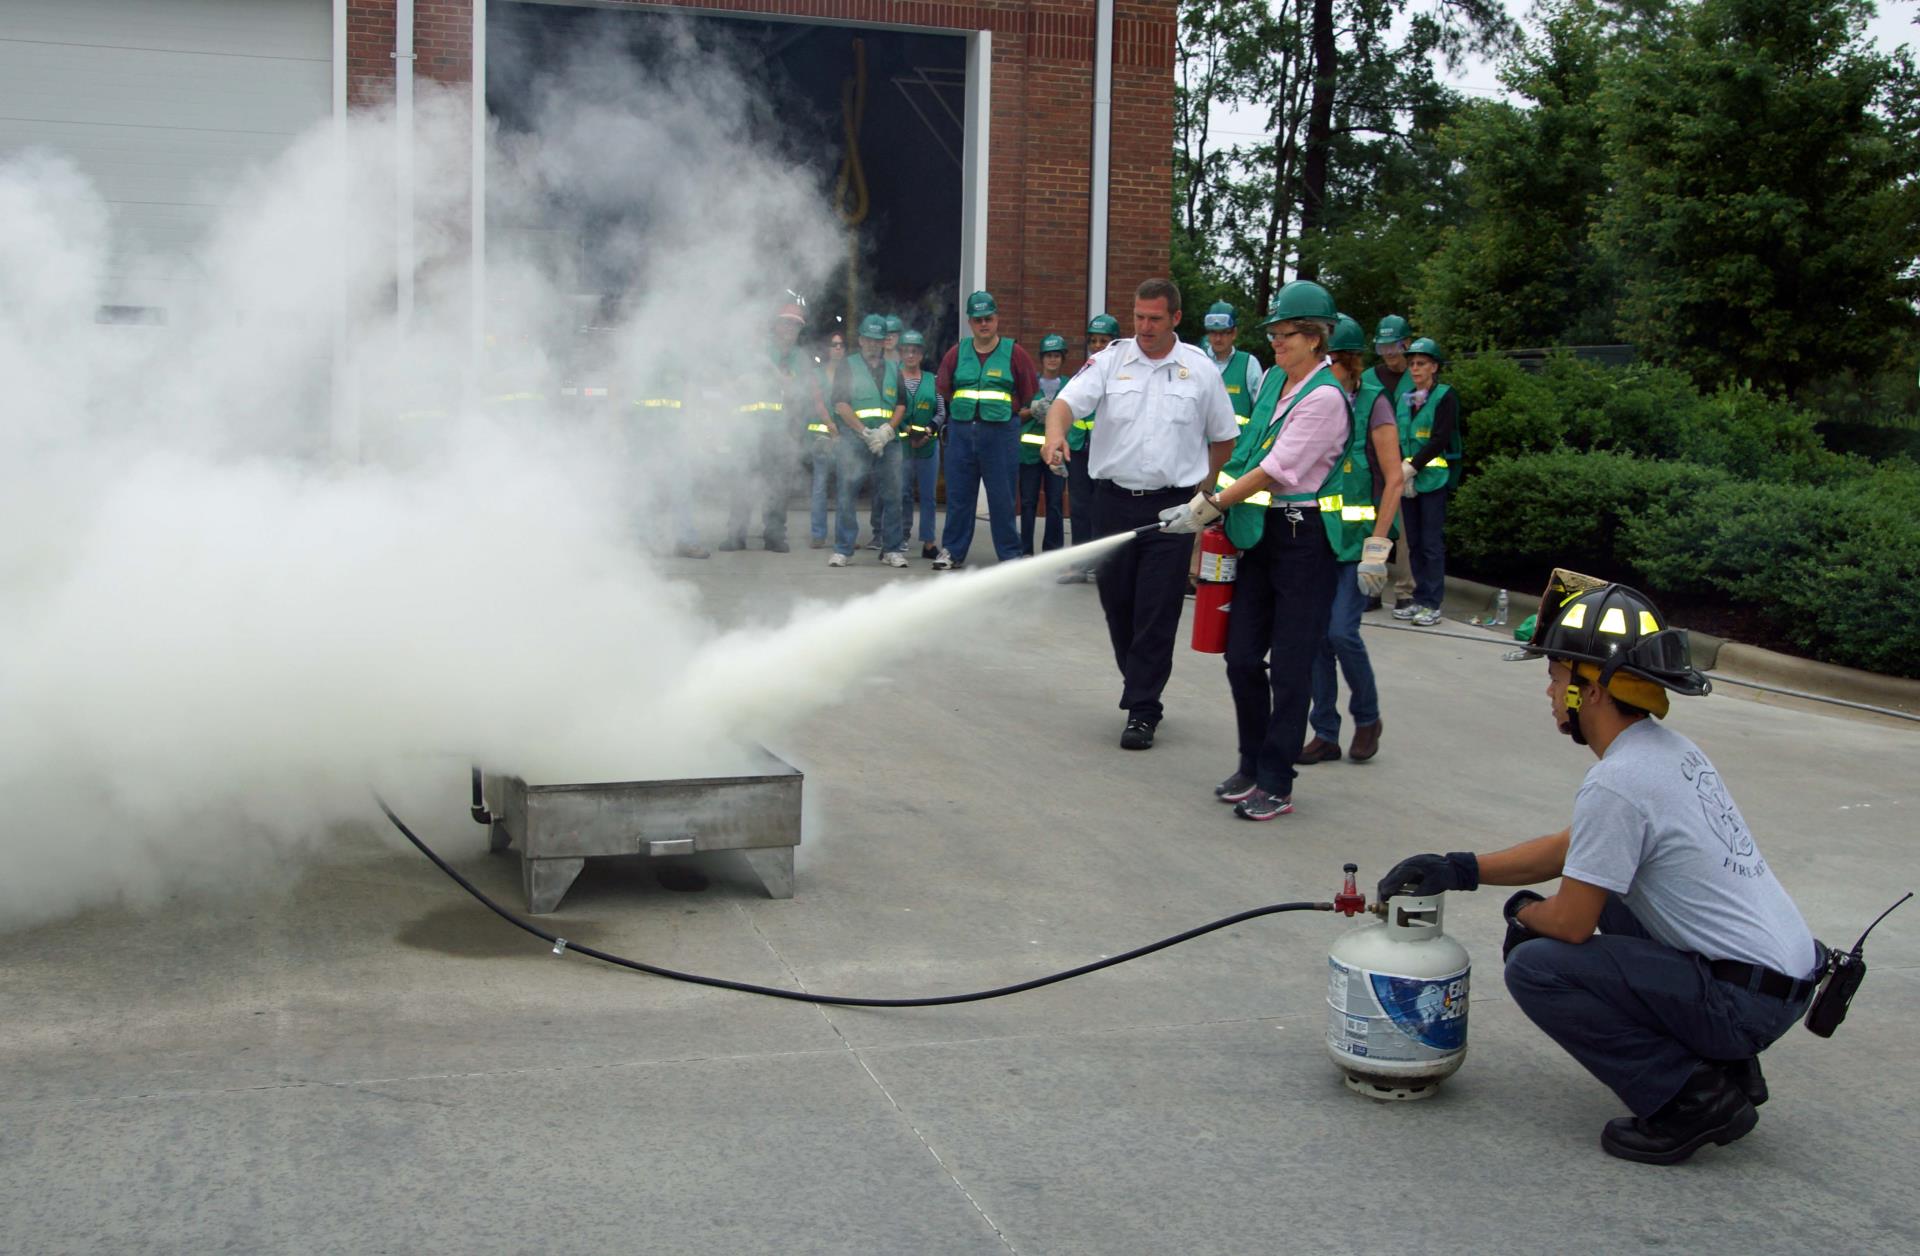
(1746, 1078)
(777, 547)
(1139, 736)
(1708, 1109)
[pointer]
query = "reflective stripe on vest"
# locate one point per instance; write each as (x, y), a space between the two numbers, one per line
(1085, 425)
(873, 412)
(658, 403)
(1261, 498)
(1032, 438)
(754, 407)
(1332, 501)
(983, 394)
(821, 428)
(1358, 514)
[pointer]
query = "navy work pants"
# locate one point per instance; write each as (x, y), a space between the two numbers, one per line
(1035, 478)
(980, 453)
(1424, 519)
(1143, 587)
(1638, 1014)
(1282, 600)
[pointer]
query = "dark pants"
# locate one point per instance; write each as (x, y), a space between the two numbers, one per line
(1639, 1015)
(768, 484)
(1424, 518)
(1143, 587)
(981, 453)
(1036, 478)
(1080, 498)
(1282, 600)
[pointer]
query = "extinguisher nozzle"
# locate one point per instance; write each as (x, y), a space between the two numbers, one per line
(1146, 529)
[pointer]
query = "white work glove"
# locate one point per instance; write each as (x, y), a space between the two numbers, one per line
(1191, 517)
(1407, 473)
(1372, 572)
(877, 438)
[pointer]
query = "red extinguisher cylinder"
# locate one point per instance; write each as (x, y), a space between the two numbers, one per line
(1219, 565)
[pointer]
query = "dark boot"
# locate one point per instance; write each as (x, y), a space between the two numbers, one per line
(1319, 750)
(1746, 1078)
(1366, 741)
(1708, 1109)
(732, 544)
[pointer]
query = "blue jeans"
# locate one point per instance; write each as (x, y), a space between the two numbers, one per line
(1036, 478)
(1638, 1014)
(1343, 643)
(1425, 522)
(822, 454)
(981, 453)
(921, 479)
(858, 464)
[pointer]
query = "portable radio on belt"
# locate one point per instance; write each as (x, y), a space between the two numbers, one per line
(1844, 972)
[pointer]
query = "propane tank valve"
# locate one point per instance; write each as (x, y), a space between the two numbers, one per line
(1350, 901)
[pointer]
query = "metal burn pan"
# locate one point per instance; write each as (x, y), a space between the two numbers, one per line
(557, 828)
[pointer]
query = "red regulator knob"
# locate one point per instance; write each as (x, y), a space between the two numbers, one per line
(1350, 901)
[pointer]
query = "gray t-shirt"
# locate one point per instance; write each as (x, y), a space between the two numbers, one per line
(1654, 824)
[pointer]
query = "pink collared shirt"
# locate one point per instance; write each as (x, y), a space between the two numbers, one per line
(1314, 437)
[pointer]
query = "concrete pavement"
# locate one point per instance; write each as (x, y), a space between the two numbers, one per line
(367, 1061)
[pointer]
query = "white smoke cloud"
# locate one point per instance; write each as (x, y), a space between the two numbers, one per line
(213, 634)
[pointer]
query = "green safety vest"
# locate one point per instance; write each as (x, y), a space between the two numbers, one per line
(873, 405)
(765, 394)
(1416, 430)
(1360, 479)
(1247, 521)
(1372, 376)
(982, 388)
(921, 413)
(1033, 432)
(1235, 378)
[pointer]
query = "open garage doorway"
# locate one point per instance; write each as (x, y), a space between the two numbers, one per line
(903, 199)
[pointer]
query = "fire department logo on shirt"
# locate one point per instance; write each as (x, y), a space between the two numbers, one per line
(1722, 816)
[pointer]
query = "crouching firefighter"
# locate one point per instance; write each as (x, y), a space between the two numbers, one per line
(1701, 960)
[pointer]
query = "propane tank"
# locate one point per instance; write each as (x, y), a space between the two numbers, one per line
(1219, 565)
(1397, 1001)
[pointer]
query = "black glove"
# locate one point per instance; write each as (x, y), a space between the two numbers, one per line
(1431, 874)
(1517, 932)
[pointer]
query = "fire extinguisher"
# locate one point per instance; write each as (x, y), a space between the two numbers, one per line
(1219, 564)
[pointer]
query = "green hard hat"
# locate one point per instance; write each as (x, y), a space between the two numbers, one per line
(912, 338)
(1302, 298)
(1103, 325)
(894, 324)
(1347, 336)
(1392, 330)
(981, 304)
(1219, 317)
(1053, 344)
(1425, 345)
(873, 327)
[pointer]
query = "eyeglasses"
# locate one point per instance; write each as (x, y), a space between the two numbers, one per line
(1282, 335)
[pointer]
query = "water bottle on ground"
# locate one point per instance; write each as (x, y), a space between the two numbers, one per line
(1500, 608)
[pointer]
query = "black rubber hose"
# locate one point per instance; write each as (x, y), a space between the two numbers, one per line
(560, 944)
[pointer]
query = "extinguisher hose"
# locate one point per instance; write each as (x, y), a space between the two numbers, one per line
(561, 946)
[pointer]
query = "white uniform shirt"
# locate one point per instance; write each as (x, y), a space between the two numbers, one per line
(1157, 417)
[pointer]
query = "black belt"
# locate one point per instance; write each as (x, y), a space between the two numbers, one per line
(1146, 492)
(1760, 980)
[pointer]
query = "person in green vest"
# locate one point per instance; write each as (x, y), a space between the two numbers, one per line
(1101, 330)
(655, 430)
(867, 402)
(1366, 527)
(822, 438)
(926, 415)
(986, 380)
(1281, 492)
(765, 437)
(1428, 415)
(1239, 370)
(1036, 476)
(1389, 374)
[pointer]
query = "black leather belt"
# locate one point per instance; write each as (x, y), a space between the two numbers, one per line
(1146, 492)
(1760, 980)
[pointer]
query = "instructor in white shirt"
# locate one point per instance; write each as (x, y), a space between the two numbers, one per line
(1166, 427)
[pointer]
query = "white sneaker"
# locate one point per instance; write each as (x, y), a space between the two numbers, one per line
(1426, 616)
(894, 558)
(1406, 612)
(838, 560)
(944, 562)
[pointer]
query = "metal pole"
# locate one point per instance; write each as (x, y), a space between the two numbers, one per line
(1102, 157)
(403, 158)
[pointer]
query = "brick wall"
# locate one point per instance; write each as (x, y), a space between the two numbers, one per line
(1040, 149)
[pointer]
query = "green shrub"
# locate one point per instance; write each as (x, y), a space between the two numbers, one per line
(1506, 411)
(1518, 518)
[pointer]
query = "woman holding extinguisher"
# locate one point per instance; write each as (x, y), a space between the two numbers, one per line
(1281, 495)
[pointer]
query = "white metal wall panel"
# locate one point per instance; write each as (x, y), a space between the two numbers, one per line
(163, 103)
